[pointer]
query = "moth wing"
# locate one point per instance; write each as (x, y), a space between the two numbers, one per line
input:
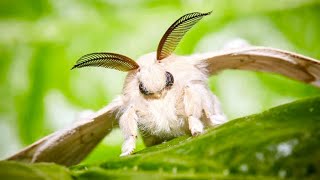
(292, 65)
(71, 145)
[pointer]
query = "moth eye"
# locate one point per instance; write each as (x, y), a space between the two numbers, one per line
(143, 89)
(169, 80)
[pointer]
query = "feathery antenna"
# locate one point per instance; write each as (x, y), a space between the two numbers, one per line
(175, 33)
(107, 60)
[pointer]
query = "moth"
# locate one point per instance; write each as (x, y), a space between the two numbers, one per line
(164, 95)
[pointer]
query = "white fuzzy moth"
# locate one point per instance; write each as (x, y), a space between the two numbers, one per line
(164, 95)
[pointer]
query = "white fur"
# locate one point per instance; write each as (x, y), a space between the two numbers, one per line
(195, 125)
(128, 125)
(184, 108)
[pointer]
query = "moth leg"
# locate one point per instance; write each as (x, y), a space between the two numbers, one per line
(193, 108)
(213, 110)
(129, 128)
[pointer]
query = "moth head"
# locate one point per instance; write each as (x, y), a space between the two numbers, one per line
(153, 78)
(157, 85)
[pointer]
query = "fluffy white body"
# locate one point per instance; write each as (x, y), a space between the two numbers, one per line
(185, 108)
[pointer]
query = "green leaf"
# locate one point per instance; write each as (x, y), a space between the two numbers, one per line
(48, 171)
(281, 142)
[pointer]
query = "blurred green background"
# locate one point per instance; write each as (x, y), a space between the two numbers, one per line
(40, 40)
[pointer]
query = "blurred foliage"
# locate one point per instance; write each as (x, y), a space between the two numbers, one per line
(41, 40)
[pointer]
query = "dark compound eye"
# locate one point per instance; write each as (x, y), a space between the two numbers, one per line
(143, 89)
(169, 80)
